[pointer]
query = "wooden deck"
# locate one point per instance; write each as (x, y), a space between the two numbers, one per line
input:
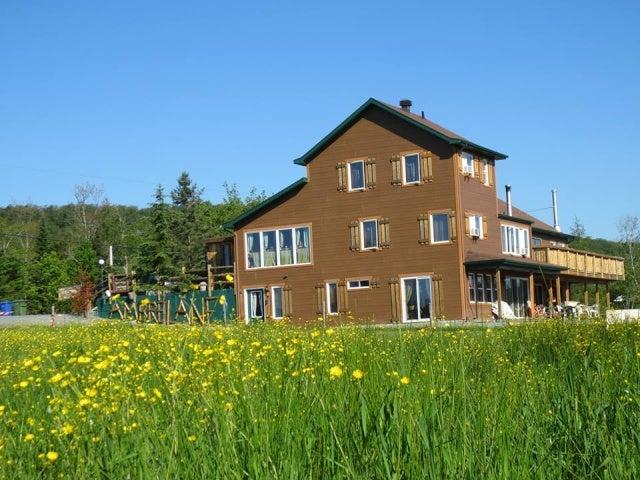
(582, 264)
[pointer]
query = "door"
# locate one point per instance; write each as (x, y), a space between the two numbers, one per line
(416, 299)
(254, 304)
(517, 295)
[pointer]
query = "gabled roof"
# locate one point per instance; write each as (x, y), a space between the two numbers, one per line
(537, 225)
(232, 224)
(416, 120)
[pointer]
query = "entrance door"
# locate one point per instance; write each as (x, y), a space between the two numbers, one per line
(254, 304)
(416, 299)
(517, 294)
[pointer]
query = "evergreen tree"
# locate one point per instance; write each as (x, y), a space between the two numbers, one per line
(44, 243)
(188, 250)
(156, 249)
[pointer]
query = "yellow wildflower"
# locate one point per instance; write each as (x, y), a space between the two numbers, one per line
(335, 372)
(405, 380)
(52, 456)
(357, 374)
(29, 437)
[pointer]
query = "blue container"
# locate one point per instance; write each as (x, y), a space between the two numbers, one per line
(6, 308)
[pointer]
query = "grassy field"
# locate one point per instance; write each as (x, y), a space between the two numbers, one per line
(544, 400)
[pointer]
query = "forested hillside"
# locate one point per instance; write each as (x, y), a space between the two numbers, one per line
(43, 248)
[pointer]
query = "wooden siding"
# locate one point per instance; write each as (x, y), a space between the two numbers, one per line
(329, 211)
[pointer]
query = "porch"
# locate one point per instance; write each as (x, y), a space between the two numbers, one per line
(579, 263)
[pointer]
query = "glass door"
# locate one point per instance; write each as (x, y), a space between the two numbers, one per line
(416, 299)
(254, 303)
(517, 295)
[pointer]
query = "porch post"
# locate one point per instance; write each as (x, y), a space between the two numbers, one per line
(532, 294)
(499, 292)
(598, 296)
(550, 299)
(567, 292)
(608, 297)
(558, 290)
(586, 293)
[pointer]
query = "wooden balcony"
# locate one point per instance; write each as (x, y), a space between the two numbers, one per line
(582, 264)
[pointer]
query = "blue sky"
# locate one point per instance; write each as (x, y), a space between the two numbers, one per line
(128, 94)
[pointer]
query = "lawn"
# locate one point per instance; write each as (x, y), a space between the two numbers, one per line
(111, 400)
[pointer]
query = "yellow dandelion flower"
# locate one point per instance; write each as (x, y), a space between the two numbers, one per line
(56, 378)
(24, 384)
(357, 374)
(405, 381)
(335, 372)
(83, 359)
(29, 437)
(52, 456)
(191, 438)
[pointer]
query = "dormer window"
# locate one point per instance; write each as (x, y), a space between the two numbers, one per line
(467, 163)
(411, 168)
(515, 241)
(356, 175)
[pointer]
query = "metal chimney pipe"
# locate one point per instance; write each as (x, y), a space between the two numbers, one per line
(554, 203)
(509, 204)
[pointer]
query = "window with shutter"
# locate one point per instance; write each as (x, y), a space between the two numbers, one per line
(370, 166)
(342, 176)
(354, 236)
(426, 161)
(485, 228)
(383, 233)
(423, 228)
(396, 170)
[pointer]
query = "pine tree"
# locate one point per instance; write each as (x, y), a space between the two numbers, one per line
(156, 250)
(44, 243)
(188, 247)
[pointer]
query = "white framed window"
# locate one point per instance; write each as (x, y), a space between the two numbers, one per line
(358, 284)
(276, 302)
(278, 247)
(416, 299)
(332, 298)
(515, 240)
(467, 163)
(481, 288)
(355, 173)
(485, 171)
(471, 283)
(488, 288)
(411, 169)
(439, 225)
(475, 226)
(253, 304)
(369, 234)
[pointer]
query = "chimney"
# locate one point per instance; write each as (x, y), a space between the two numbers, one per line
(554, 203)
(509, 204)
(405, 104)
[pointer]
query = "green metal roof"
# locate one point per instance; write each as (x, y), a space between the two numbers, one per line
(553, 233)
(451, 138)
(517, 265)
(232, 224)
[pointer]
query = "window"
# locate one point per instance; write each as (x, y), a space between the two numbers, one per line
(411, 168)
(485, 171)
(467, 163)
(515, 240)
(536, 242)
(332, 298)
(272, 248)
(276, 302)
(416, 299)
(369, 234)
(440, 228)
(356, 175)
(358, 284)
(481, 288)
(475, 226)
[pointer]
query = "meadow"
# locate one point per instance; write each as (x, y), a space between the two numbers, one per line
(112, 400)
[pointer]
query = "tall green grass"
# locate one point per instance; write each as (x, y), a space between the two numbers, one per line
(547, 400)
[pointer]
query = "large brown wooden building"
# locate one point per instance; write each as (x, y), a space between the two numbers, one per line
(397, 220)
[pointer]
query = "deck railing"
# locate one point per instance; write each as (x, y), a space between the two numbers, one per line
(582, 264)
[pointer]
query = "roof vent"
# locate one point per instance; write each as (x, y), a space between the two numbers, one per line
(405, 105)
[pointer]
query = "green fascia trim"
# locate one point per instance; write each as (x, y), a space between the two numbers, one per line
(505, 263)
(553, 233)
(307, 157)
(230, 225)
(515, 219)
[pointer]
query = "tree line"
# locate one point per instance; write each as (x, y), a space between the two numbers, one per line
(43, 248)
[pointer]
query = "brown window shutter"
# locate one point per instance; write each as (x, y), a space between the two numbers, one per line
(423, 228)
(374, 283)
(476, 166)
(343, 305)
(466, 225)
(354, 236)
(370, 167)
(491, 174)
(287, 306)
(396, 170)
(394, 289)
(453, 228)
(342, 176)
(426, 166)
(383, 233)
(438, 298)
(485, 228)
(319, 298)
(481, 167)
